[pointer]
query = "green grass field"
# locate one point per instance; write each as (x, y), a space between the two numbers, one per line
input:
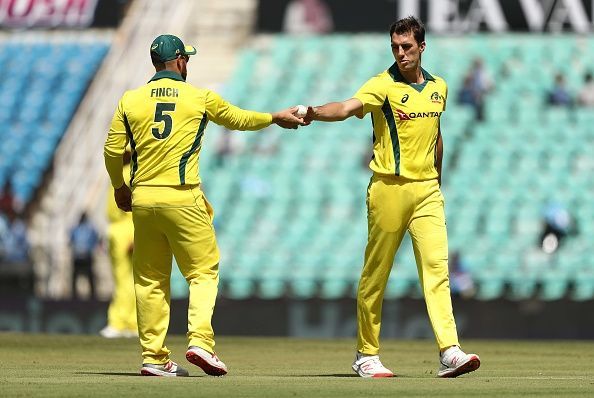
(68, 366)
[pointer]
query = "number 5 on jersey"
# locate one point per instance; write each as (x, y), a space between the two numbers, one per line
(160, 116)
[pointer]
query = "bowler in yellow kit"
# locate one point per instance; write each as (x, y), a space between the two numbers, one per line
(406, 103)
(121, 314)
(164, 121)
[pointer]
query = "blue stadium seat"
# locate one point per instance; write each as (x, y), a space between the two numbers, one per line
(53, 93)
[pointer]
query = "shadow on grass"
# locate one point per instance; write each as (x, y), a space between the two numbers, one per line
(345, 375)
(109, 373)
(129, 374)
(330, 375)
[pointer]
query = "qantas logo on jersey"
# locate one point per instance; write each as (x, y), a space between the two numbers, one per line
(402, 115)
(413, 115)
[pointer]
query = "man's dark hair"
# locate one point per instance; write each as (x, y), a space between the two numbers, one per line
(157, 63)
(409, 24)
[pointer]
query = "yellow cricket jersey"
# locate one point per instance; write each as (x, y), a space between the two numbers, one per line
(405, 119)
(164, 122)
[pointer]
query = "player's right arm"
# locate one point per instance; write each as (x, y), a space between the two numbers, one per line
(115, 145)
(113, 153)
(234, 118)
(369, 97)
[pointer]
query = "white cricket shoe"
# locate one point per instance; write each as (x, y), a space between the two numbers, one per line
(455, 362)
(370, 366)
(110, 332)
(208, 362)
(170, 369)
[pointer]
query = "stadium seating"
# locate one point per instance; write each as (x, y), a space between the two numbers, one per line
(291, 218)
(42, 83)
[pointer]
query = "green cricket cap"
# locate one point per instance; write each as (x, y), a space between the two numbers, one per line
(168, 47)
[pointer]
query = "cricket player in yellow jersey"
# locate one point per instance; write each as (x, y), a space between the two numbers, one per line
(406, 103)
(164, 122)
(121, 314)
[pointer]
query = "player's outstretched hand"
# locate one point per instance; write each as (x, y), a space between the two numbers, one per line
(309, 115)
(123, 198)
(287, 119)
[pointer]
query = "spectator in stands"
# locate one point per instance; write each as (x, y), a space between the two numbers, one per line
(17, 270)
(4, 232)
(7, 200)
(461, 283)
(467, 96)
(586, 95)
(15, 242)
(477, 84)
(224, 148)
(559, 94)
(558, 223)
(228, 144)
(83, 242)
(308, 17)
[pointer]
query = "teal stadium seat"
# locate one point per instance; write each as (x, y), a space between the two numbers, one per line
(583, 286)
(554, 284)
(491, 284)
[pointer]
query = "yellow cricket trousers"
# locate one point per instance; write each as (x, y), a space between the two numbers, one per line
(121, 314)
(395, 205)
(178, 221)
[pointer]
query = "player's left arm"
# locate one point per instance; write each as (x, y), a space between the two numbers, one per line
(439, 142)
(234, 118)
(438, 155)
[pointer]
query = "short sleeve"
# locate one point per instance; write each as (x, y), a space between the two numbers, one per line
(372, 94)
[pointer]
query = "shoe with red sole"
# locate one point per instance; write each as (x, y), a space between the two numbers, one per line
(454, 362)
(370, 366)
(207, 361)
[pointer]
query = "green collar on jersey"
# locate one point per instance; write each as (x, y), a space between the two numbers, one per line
(167, 74)
(397, 76)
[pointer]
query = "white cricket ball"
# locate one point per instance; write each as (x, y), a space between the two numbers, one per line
(301, 111)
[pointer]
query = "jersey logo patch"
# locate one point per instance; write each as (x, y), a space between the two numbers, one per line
(436, 98)
(404, 99)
